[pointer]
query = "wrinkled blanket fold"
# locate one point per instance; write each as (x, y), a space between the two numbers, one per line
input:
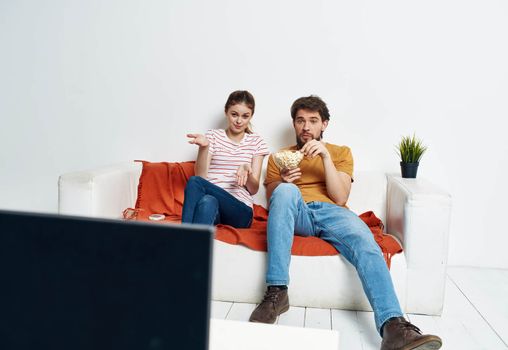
(161, 191)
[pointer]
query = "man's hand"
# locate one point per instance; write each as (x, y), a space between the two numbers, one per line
(314, 148)
(242, 174)
(198, 139)
(290, 175)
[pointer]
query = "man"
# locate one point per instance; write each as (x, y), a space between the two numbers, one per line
(310, 201)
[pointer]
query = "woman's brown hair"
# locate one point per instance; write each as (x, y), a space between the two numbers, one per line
(241, 96)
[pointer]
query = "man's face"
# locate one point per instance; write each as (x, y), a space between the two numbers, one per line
(308, 126)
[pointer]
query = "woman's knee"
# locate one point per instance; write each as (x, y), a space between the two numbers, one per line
(193, 183)
(208, 201)
(195, 180)
(206, 211)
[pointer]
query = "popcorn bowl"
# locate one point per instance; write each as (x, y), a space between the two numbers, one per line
(288, 159)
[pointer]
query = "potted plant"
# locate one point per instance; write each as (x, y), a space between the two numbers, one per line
(410, 150)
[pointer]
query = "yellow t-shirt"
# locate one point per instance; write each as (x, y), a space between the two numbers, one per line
(312, 183)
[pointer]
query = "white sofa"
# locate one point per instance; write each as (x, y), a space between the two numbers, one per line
(413, 210)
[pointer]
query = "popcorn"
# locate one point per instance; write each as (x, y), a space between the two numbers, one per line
(287, 159)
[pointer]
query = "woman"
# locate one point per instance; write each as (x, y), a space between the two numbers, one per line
(228, 168)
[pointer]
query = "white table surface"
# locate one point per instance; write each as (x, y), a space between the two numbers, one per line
(234, 335)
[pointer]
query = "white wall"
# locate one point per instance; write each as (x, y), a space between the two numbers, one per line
(89, 83)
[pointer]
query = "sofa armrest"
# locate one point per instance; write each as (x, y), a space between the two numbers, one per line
(103, 192)
(418, 214)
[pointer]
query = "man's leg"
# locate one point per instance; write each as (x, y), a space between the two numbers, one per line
(353, 238)
(288, 214)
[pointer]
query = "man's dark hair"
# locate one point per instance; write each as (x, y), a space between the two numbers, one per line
(312, 103)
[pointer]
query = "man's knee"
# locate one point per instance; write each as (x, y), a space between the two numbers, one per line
(285, 191)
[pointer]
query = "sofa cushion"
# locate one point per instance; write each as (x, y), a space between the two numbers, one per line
(161, 191)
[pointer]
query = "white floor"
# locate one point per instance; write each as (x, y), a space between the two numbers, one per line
(475, 315)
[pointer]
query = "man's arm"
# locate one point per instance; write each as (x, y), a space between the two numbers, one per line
(275, 176)
(338, 183)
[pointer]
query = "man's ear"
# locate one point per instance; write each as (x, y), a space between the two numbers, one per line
(325, 124)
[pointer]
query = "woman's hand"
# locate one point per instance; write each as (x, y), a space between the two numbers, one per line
(198, 139)
(242, 174)
(290, 175)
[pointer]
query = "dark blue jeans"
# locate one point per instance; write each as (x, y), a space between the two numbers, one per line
(208, 204)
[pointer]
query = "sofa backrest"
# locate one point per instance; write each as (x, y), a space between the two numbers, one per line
(368, 192)
(107, 191)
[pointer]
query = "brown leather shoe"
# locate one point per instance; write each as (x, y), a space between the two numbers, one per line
(399, 334)
(274, 303)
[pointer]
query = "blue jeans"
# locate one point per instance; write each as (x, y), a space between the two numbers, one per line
(289, 215)
(209, 204)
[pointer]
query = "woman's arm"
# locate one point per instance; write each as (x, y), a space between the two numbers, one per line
(204, 156)
(253, 179)
(202, 162)
(248, 174)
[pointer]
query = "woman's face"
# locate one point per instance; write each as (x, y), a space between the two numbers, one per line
(238, 116)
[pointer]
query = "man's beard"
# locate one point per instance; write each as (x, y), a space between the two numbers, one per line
(300, 143)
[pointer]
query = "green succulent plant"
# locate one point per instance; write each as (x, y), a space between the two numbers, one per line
(410, 149)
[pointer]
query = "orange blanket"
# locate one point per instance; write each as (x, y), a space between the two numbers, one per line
(161, 191)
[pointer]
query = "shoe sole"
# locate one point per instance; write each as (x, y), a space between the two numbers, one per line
(428, 345)
(284, 310)
(280, 313)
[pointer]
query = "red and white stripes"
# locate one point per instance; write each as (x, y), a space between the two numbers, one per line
(227, 156)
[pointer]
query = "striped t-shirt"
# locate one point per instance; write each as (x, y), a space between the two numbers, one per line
(227, 156)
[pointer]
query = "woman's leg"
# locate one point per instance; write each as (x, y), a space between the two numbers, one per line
(206, 211)
(200, 208)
